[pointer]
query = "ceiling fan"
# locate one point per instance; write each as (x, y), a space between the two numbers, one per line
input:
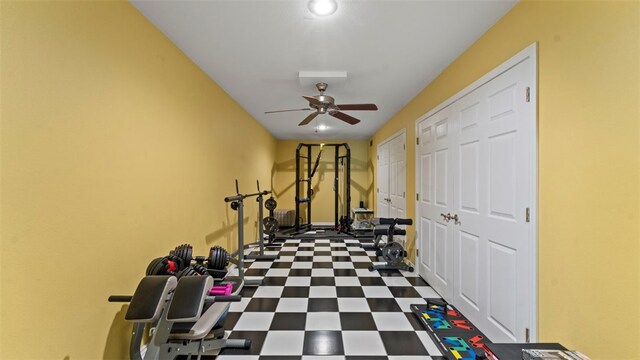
(324, 104)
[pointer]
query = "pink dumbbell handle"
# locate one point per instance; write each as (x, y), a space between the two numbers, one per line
(221, 290)
(222, 293)
(218, 291)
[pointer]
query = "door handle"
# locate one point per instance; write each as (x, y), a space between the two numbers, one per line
(447, 217)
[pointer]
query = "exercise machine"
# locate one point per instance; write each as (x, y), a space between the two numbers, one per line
(237, 203)
(304, 187)
(392, 252)
(182, 318)
(261, 204)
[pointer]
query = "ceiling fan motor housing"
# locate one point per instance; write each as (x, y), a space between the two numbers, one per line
(324, 102)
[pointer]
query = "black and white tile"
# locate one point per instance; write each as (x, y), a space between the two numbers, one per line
(320, 301)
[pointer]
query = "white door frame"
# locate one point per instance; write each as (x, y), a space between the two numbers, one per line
(529, 53)
(400, 132)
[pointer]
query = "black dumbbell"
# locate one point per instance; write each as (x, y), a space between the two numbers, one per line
(185, 252)
(166, 265)
(218, 258)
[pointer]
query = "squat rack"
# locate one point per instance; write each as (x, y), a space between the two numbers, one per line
(309, 176)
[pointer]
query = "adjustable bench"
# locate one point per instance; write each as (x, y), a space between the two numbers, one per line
(183, 319)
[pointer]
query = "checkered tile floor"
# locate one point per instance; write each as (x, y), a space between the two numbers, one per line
(320, 301)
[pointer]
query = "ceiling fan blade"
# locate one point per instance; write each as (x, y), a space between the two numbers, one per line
(344, 117)
(357, 107)
(308, 119)
(312, 100)
(279, 111)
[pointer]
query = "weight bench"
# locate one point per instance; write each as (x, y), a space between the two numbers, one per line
(392, 252)
(183, 319)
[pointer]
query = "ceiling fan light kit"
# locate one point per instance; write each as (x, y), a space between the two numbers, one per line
(323, 7)
(325, 104)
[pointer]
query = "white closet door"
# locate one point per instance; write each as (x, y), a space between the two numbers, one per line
(397, 177)
(436, 198)
(470, 206)
(397, 181)
(475, 163)
(500, 227)
(383, 180)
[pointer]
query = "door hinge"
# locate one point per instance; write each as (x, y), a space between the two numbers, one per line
(378, 190)
(417, 141)
(403, 194)
(527, 335)
(417, 252)
(404, 147)
(528, 215)
(418, 196)
(378, 157)
(528, 94)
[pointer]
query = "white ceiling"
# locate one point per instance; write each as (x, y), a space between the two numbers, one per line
(390, 50)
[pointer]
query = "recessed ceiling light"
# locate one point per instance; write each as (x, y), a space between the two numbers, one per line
(323, 7)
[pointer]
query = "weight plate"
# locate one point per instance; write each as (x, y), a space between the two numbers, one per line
(270, 225)
(393, 253)
(155, 267)
(212, 257)
(188, 271)
(271, 204)
(199, 269)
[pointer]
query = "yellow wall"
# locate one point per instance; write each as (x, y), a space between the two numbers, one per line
(115, 148)
(322, 208)
(588, 120)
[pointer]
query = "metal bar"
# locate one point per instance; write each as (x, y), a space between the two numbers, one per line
(336, 188)
(348, 183)
(241, 240)
(159, 338)
(309, 184)
(334, 145)
(260, 225)
(297, 187)
(261, 193)
(136, 339)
